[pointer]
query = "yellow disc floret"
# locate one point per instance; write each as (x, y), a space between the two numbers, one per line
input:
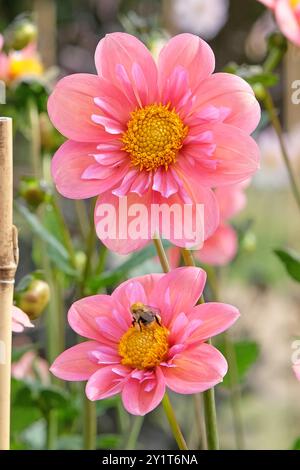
(153, 137)
(21, 66)
(145, 346)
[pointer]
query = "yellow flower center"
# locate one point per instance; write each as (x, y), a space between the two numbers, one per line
(144, 346)
(153, 137)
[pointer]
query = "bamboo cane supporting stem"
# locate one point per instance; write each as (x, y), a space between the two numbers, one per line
(8, 265)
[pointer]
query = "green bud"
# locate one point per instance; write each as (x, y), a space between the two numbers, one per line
(249, 242)
(21, 33)
(33, 191)
(34, 299)
(80, 260)
(259, 91)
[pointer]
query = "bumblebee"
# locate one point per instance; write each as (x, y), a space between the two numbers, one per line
(144, 315)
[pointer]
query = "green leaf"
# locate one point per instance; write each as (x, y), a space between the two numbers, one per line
(246, 354)
(56, 251)
(296, 444)
(22, 417)
(291, 261)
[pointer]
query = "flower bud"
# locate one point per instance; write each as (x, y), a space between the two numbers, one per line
(33, 191)
(50, 138)
(21, 33)
(34, 299)
(80, 260)
(259, 91)
(249, 242)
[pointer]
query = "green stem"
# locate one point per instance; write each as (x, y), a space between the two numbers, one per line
(211, 419)
(83, 220)
(89, 423)
(64, 230)
(35, 138)
(134, 433)
(51, 430)
(233, 375)
(271, 110)
(173, 423)
(273, 60)
(161, 254)
(235, 392)
(208, 395)
(89, 251)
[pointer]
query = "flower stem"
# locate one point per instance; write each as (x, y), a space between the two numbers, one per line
(211, 419)
(89, 423)
(233, 375)
(209, 395)
(173, 423)
(271, 110)
(161, 254)
(134, 433)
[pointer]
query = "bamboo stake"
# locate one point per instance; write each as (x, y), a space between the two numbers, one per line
(8, 266)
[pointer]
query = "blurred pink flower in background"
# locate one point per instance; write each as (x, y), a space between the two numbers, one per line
(158, 134)
(19, 64)
(222, 246)
(20, 320)
(203, 17)
(140, 361)
(287, 14)
(31, 367)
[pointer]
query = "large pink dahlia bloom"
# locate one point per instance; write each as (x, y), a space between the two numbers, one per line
(161, 133)
(287, 14)
(141, 360)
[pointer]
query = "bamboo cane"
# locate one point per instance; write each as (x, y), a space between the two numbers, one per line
(8, 266)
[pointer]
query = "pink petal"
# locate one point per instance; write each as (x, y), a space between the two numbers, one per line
(84, 313)
(268, 3)
(230, 91)
(76, 363)
(194, 219)
(216, 318)
(139, 289)
(20, 320)
(174, 255)
(174, 293)
(122, 223)
(71, 106)
(189, 52)
(141, 397)
(195, 369)
(220, 248)
(106, 382)
(69, 165)
(237, 156)
(121, 49)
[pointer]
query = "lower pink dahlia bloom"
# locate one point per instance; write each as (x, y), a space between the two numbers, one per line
(222, 246)
(20, 320)
(287, 14)
(162, 133)
(141, 360)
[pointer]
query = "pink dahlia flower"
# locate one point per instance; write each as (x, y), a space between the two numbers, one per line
(222, 246)
(161, 133)
(20, 320)
(140, 359)
(287, 14)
